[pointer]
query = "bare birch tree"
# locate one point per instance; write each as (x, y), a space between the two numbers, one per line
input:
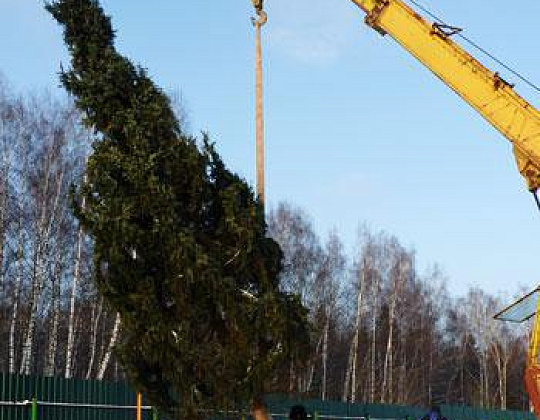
(72, 300)
(291, 228)
(112, 342)
(350, 374)
(50, 367)
(327, 290)
(401, 267)
(97, 310)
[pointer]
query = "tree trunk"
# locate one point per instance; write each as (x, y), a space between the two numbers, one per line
(15, 312)
(37, 285)
(292, 377)
(388, 362)
(401, 266)
(72, 301)
(372, 370)
(387, 370)
(312, 366)
(373, 343)
(3, 219)
(353, 350)
(503, 383)
(53, 331)
(93, 344)
(114, 336)
(37, 282)
(430, 372)
(324, 359)
(349, 370)
(5, 165)
(486, 381)
(45, 223)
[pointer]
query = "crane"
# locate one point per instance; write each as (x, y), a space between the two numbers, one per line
(486, 91)
(496, 101)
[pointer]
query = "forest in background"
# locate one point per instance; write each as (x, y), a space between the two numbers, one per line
(382, 330)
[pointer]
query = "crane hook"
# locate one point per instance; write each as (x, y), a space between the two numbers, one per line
(258, 5)
(261, 20)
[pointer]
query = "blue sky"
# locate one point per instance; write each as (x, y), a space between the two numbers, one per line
(356, 130)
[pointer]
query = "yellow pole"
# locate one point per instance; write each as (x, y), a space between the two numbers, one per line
(139, 406)
(259, 117)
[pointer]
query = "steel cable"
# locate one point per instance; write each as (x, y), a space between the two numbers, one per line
(478, 47)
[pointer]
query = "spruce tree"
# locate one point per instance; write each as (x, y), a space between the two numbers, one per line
(181, 250)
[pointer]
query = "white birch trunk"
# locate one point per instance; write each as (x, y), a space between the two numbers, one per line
(43, 238)
(312, 367)
(37, 280)
(353, 350)
(15, 312)
(93, 343)
(486, 381)
(402, 379)
(324, 358)
(5, 165)
(73, 294)
(72, 301)
(503, 382)
(373, 343)
(3, 203)
(114, 336)
(50, 367)
(34, 301)
(387, 379)
(351, 368)
(292, 378)
(388, 385)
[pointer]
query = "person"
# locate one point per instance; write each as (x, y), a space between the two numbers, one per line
(434, 414)
(259, 410)
(298, 412)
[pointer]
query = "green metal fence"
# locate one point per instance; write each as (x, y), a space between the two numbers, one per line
(333, 409)
(53, 398)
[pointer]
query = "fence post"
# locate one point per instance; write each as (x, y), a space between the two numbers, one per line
(154, 414)
(139, 406)
(33, 409)
(315, 415)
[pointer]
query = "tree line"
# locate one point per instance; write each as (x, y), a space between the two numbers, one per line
(386, 333)
(381, 330)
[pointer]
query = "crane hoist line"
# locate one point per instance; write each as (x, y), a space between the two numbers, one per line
(478, 47)
(258, 23)
(486, 91)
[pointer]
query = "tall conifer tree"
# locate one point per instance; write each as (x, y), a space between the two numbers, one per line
(180, 242)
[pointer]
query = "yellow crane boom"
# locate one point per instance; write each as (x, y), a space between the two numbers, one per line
(483, 89)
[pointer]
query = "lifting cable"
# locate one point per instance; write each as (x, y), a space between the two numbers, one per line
(479, 48)
(535, 194)
(259, 117)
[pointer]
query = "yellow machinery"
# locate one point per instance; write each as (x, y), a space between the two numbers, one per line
(495, 100)
(520, 311)
(481, 88)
